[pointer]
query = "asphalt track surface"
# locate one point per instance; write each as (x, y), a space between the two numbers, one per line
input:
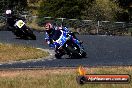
(101, 51)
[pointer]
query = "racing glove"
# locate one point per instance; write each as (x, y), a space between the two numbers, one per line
(51, 45)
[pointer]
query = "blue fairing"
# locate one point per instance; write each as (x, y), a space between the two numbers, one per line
(61, 41)
(73, 47)
(64, 36)
(65, 29)
(77, 42)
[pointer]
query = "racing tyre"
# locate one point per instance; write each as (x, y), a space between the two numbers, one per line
(30, 34)
(84, 54)
(74, 52)
(58, 56)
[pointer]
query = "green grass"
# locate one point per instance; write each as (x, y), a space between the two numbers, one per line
(12, 52)
(57, 78)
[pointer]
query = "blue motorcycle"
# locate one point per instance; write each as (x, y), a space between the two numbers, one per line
(67, 44)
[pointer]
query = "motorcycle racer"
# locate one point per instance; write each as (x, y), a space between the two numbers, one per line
(10, 18)
(18, 26)
(53, 33)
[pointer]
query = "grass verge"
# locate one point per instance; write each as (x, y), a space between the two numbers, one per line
(11, 52)
(57, 78)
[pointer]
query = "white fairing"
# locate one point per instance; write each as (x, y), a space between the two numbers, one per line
(59, 40)
(19, 23)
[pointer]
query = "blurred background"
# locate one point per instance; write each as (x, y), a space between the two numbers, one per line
(93, 17)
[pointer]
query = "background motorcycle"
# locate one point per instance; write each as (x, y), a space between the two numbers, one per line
(67, 44)
(21, 30)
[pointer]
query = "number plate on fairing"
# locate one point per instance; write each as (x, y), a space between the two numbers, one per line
(19, 24)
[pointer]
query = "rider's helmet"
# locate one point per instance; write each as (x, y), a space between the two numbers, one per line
(8, 13)
(48, 27)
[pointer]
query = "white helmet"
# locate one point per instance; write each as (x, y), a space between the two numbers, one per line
(8, 11)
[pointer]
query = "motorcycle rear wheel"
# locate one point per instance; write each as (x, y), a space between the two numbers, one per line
(30, 34)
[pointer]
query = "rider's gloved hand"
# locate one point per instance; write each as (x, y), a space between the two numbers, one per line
(51, 45)
(49, 41)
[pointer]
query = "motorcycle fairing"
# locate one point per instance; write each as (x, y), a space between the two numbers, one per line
(19, 24)
(62, 39)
